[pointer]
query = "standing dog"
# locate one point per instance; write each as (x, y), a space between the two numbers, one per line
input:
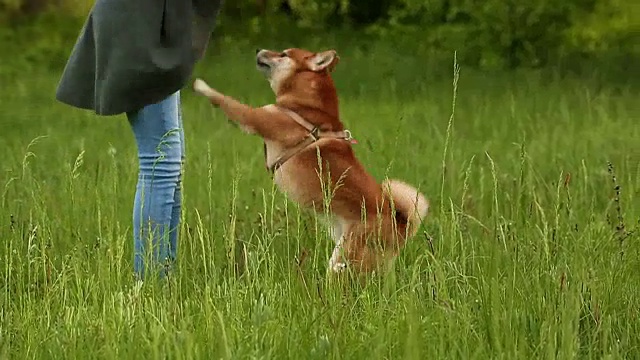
(309, 153)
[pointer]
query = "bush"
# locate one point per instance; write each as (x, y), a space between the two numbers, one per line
(17, 12)
(493, 33)
(489, 34)
(612, 25)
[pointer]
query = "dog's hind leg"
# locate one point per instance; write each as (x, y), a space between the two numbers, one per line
(337, 262)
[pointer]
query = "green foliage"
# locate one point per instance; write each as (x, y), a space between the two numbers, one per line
(612, 25)
(488, 34)
(10, 5)
(493, 33)
(512, 33)
(315, 13)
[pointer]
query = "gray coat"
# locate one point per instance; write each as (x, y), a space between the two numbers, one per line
(131, 53)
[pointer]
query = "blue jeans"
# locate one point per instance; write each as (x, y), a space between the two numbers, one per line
(157, 205)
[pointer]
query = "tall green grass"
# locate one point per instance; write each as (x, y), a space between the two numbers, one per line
(531, 248)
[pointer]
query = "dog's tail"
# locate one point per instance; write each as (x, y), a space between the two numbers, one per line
(410, 205)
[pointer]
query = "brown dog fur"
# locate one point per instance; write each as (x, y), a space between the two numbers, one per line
(367, 231)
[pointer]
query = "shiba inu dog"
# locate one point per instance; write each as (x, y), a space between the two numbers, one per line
(309, 153)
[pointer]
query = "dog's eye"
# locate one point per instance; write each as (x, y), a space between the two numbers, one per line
(284, 55)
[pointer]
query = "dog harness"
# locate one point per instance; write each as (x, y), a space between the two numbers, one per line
(315, 134)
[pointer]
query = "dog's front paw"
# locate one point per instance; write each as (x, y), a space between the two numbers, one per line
(201, 87)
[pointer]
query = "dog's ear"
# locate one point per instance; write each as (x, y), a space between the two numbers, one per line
(326, 60)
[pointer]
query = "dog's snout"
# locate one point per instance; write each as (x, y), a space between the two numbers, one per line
(258, 50)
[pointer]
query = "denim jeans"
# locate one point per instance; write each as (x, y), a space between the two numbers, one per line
(157, 206)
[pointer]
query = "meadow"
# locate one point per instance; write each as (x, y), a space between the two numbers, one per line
(531, 248)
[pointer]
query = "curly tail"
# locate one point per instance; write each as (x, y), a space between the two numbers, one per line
(410, 205)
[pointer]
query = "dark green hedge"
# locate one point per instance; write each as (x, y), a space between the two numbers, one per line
(488, 34)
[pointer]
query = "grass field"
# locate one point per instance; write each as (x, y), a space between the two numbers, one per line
(528, 252)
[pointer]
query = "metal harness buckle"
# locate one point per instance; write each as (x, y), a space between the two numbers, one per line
(314, 133)
(348, 136)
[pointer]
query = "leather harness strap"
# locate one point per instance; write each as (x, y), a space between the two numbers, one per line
(315, 134)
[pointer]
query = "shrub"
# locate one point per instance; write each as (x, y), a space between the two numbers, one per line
(490, 33)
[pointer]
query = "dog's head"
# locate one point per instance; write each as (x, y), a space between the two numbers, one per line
(281, 68)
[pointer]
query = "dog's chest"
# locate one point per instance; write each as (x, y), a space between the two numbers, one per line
(271, 153)
(289, 178)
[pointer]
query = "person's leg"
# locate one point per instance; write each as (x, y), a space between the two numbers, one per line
(177, 197)
(156, 128)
